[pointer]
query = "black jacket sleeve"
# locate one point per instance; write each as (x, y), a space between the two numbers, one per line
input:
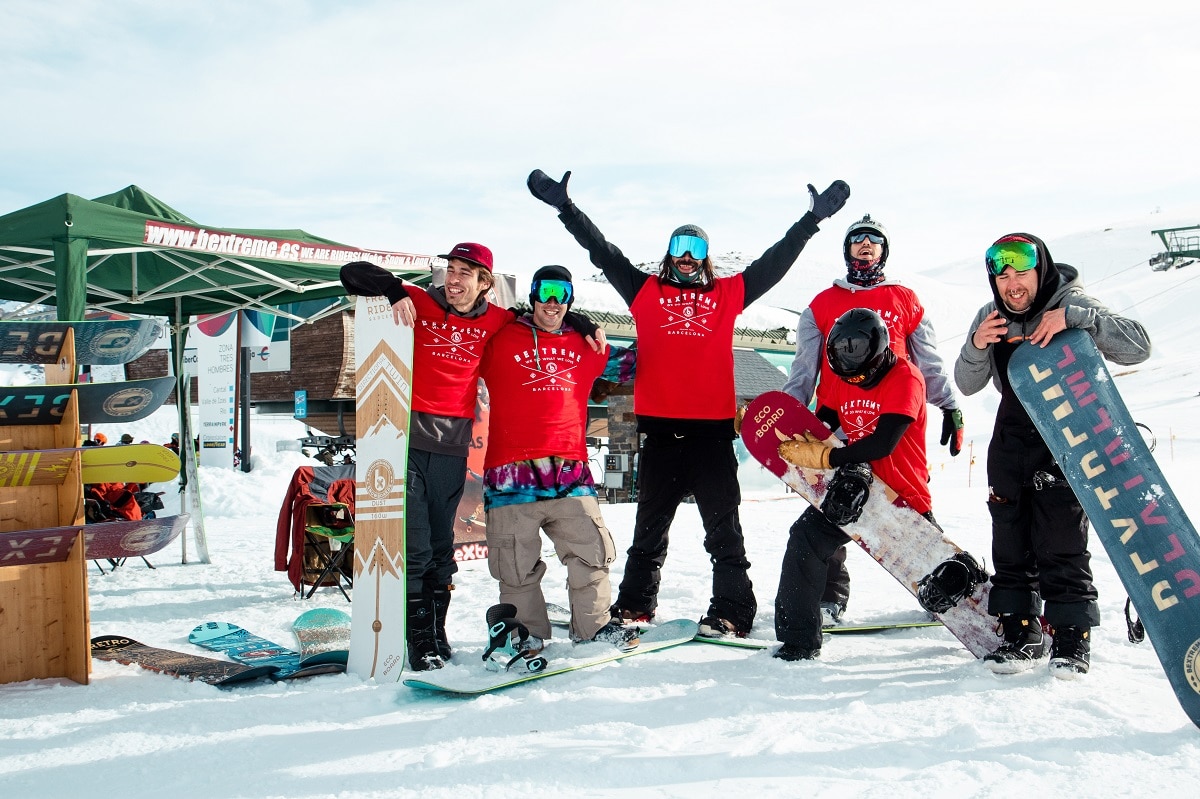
(365, 279)
(770, 267)
(626, 278)
(877, 445)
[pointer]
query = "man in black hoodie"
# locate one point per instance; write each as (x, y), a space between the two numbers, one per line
(1039, 530)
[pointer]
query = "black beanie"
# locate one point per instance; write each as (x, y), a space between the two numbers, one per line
(551, 272)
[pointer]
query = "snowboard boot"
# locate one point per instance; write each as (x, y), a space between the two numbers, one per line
(713, 627)
(441, 604)
(1023, 644)
(794, 652)
(1070, 651)
(510, 646)
(831, 614)
(421, 634)
(628, 616)
(619, 635)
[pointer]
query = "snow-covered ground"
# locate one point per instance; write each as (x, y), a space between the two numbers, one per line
(906, 713)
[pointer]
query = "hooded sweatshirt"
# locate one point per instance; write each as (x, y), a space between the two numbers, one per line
(1120, 340)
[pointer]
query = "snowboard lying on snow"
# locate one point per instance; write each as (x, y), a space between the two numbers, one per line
(473, 678)
(561, 617)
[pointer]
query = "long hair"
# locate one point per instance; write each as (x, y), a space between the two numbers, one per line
(708, 273)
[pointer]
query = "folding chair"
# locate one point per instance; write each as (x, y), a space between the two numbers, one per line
(329, 536)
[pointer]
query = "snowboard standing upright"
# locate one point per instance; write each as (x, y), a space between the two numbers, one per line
(1153, 545)
(383, 355)
(899, 539)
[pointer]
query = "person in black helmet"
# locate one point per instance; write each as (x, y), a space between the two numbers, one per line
(1039, 530)
(684, 396)
(878, 400)
(865, 249)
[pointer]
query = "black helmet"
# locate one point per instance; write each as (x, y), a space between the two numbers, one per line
(857, 345)
(550, 272)
(865, 225)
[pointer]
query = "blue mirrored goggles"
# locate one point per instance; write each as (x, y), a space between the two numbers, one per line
(680, 245)
(561, 291)
(857, 238)
(1020, 255)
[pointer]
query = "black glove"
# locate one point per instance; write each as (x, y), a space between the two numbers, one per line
(581, 324)
(952, 430)
(847, 493)
(823, 205)
(548, 190)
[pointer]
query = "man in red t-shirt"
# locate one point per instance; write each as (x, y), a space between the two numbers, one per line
(879, 402)
(536, 476)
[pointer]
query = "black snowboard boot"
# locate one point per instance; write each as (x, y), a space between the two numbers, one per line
(441, 604)
(1023, 644)
(421, 634)
(1070, 651)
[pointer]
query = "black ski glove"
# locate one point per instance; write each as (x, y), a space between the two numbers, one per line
(548, 190)
(847, 493)
(825, 204)
(952, 430)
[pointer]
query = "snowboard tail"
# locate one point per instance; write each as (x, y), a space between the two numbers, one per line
(221, 673)
(1154, 547)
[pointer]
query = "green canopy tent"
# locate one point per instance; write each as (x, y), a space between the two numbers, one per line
(131, 253)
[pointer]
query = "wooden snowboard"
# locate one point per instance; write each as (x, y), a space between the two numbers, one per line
(383, 354)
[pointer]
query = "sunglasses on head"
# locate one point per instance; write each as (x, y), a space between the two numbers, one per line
(680, 245)
(857, 238)
(560, 291)
(1020, 255)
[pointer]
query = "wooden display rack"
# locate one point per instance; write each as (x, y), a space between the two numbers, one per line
(44, 623)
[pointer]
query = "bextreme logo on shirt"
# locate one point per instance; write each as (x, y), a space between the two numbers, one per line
(452, 341)
(687, 314)
(549, 368)
(859, 417)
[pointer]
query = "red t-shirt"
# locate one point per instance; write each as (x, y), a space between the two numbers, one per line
(685, 349)
(901, 391)
(446, 355)
(538, 384)
(898, 306)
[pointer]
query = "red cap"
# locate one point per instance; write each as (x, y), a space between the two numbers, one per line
(470, 251)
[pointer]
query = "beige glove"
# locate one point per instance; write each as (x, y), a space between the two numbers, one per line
(737, 420)
(811, 453)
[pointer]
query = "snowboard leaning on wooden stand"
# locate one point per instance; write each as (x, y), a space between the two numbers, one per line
(1070, 395)
(901, 540)
(383, 356)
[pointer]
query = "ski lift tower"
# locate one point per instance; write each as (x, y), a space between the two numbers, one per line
(1183, 247)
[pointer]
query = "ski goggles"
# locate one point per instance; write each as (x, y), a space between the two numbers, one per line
(1020, 255)
(560, 291)
(695, 245)
(857, 238)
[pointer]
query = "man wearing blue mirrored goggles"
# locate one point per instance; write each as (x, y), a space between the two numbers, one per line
(684, 395)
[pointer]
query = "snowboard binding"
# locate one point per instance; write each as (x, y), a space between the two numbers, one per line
(950, 582)
(847, 494)
(510, 646)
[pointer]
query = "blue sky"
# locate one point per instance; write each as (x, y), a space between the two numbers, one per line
(410, 126)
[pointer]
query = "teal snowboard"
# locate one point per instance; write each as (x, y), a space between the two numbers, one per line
(1069, 394)
(251, 650)
(476, 679)
(324, 635)
(561, 617)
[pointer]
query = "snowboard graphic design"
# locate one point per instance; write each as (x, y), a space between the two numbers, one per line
(127, 463)
(251, 650)
(99, 403)
(564, 658)
(383, 356)
(898, 538)
(1154, 547)
(97, 342)
(221, 673)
